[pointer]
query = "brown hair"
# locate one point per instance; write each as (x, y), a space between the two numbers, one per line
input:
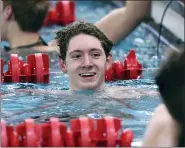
(29, 14)
(170, 80)
(79, 27)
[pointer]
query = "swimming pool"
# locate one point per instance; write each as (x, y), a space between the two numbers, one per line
(20, 102)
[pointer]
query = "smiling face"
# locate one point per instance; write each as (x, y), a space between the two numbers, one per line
(85, 62)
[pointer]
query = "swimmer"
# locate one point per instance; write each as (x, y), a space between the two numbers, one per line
(85, 55)
(20, 24)
(166, 127)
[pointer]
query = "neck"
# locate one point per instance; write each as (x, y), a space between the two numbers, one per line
(17, 37)
(100, 88)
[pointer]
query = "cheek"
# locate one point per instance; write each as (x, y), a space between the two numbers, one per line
(104, 63)
(101, 65)
(72, 67)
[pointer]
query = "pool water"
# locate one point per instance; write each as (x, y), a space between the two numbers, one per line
(40, 102)
(133, 100)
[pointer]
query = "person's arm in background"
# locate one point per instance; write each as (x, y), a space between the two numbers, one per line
(122, 21)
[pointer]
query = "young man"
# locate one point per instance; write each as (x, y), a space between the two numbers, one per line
(85, 55)
(20, 24)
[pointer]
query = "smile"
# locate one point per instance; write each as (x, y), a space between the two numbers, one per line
(89, 74)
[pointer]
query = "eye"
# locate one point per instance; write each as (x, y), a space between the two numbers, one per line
(96, 54)
(76, 56)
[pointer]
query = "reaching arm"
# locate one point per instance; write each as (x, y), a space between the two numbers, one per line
(120, 22)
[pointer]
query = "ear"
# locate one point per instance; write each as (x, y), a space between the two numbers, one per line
(109, 61)
(7, 12)
(62, 65)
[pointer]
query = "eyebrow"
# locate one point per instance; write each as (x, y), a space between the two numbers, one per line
(94, 49)
(74, 51)
(91, 50)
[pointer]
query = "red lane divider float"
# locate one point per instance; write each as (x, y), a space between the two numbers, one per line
(129, 69)
(35, 70)
(62, 14)
(83, 132)
(2, 66)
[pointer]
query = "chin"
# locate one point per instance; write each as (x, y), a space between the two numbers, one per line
(91, 86)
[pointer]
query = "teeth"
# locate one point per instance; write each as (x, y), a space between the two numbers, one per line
(87, 74)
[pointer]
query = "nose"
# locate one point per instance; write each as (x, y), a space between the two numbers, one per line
(87, 62)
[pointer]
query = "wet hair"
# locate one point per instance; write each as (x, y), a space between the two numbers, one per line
(170, 80)
(79, 27)
(29, 14)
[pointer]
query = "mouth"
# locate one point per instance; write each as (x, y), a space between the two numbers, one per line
(87, 74)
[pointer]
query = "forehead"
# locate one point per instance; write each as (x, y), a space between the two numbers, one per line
(84, 42)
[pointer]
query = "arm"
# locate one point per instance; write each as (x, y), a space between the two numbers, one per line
(120, 22)
(162, 130)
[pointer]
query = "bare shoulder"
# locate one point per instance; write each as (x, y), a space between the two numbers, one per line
(42, 48)
(161, 112)
(162, 129)
(161, 118)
